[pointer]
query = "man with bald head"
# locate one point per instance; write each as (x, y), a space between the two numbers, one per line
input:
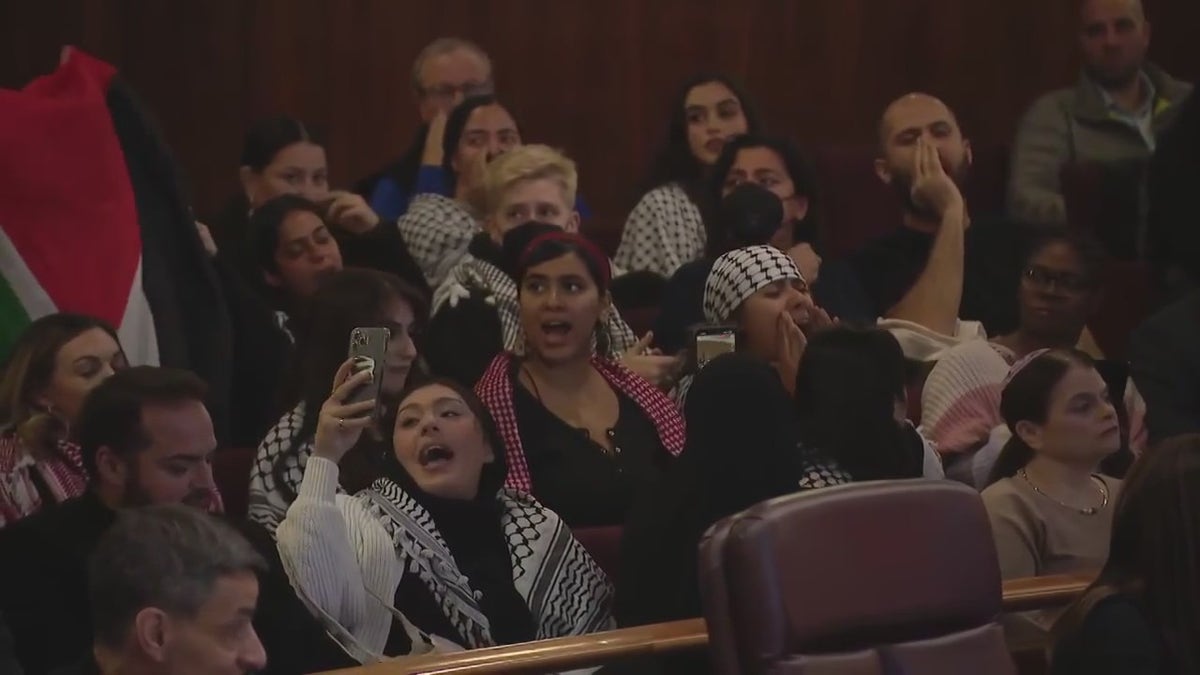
(939, 266)
(1112, 116)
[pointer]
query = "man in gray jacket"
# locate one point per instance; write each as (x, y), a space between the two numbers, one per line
(1112, 116)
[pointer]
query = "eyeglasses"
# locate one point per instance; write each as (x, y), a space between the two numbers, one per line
(448, 92)
(1042, 278)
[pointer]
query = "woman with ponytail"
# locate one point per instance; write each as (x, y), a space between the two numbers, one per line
(52, 367)
(1050, 507)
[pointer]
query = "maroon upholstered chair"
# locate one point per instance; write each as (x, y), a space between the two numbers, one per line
(604, 545)
(871, 578)
(231, 473)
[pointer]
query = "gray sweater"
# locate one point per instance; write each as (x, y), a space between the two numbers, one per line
(1075, 125)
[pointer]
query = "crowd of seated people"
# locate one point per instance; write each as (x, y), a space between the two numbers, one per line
(515, 409)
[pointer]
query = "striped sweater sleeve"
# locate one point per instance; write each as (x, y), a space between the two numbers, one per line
(339, 557)
(960, 403)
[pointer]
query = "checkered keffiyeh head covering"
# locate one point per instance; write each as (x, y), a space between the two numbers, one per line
(739, 274)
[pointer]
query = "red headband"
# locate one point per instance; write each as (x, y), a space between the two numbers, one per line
(592, 252)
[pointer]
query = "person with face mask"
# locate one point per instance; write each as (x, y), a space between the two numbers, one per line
(145, 438)
(666, 227)
(939, 266)
(437, 554)
(1113, 116)
(764, 193)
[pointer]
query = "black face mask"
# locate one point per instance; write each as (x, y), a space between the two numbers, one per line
(515, 241)
(751, 214)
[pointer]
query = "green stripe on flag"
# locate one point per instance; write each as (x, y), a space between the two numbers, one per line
(22, 298)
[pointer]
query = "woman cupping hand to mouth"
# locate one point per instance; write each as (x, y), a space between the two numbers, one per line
(583, 433)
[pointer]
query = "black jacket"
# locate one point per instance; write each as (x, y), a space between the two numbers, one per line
(44, 594)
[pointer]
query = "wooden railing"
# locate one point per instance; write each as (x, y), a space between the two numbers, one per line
(599, 648)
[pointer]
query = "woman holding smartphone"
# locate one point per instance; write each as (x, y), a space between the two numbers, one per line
(436, 554)
(348, 300)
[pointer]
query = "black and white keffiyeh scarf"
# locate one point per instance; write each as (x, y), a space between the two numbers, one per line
(475, 275)
(278, 470)
(739, 274)
(565, 589)
(437, 231)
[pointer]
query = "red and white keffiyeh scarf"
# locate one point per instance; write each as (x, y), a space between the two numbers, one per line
(495, 389)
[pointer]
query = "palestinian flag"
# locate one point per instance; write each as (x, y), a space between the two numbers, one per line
(93, 220)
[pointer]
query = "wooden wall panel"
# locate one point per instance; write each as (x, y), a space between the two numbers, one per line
(592, 77)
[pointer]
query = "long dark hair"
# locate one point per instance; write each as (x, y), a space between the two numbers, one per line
(265, 224)
(675, 162)
(263, 141)
(849, 383)
(1026, 398)
(1154, 554)
(456, 124)
(266, 137)
(263, 238)
(348, 299)
(494, 473)
(799, 171)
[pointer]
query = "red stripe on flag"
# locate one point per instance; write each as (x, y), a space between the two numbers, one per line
(66, 201)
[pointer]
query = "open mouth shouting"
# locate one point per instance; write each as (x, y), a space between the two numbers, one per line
(434, 457)
(556, 332)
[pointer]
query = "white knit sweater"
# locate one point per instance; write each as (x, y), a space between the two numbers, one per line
(340, 558)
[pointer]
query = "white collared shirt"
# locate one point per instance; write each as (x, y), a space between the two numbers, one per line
(1141, 119)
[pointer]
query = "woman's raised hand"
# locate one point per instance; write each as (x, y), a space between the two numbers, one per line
(341, 424)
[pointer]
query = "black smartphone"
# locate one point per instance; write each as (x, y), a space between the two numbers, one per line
(368, 351)
(710, 341)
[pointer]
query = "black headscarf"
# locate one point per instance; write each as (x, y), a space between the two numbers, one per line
(741, 449)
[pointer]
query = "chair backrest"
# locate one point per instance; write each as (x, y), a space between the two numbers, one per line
(231, 473)
(872, 578)
(604, 545)
(722, 649)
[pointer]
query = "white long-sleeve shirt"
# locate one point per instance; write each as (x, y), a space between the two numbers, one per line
(339, 557)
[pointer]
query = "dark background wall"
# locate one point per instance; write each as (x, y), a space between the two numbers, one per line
(591, 76)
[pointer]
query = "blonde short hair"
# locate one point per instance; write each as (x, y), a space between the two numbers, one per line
(527, 163)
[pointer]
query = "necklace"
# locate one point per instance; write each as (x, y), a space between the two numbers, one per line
(1089, 511)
